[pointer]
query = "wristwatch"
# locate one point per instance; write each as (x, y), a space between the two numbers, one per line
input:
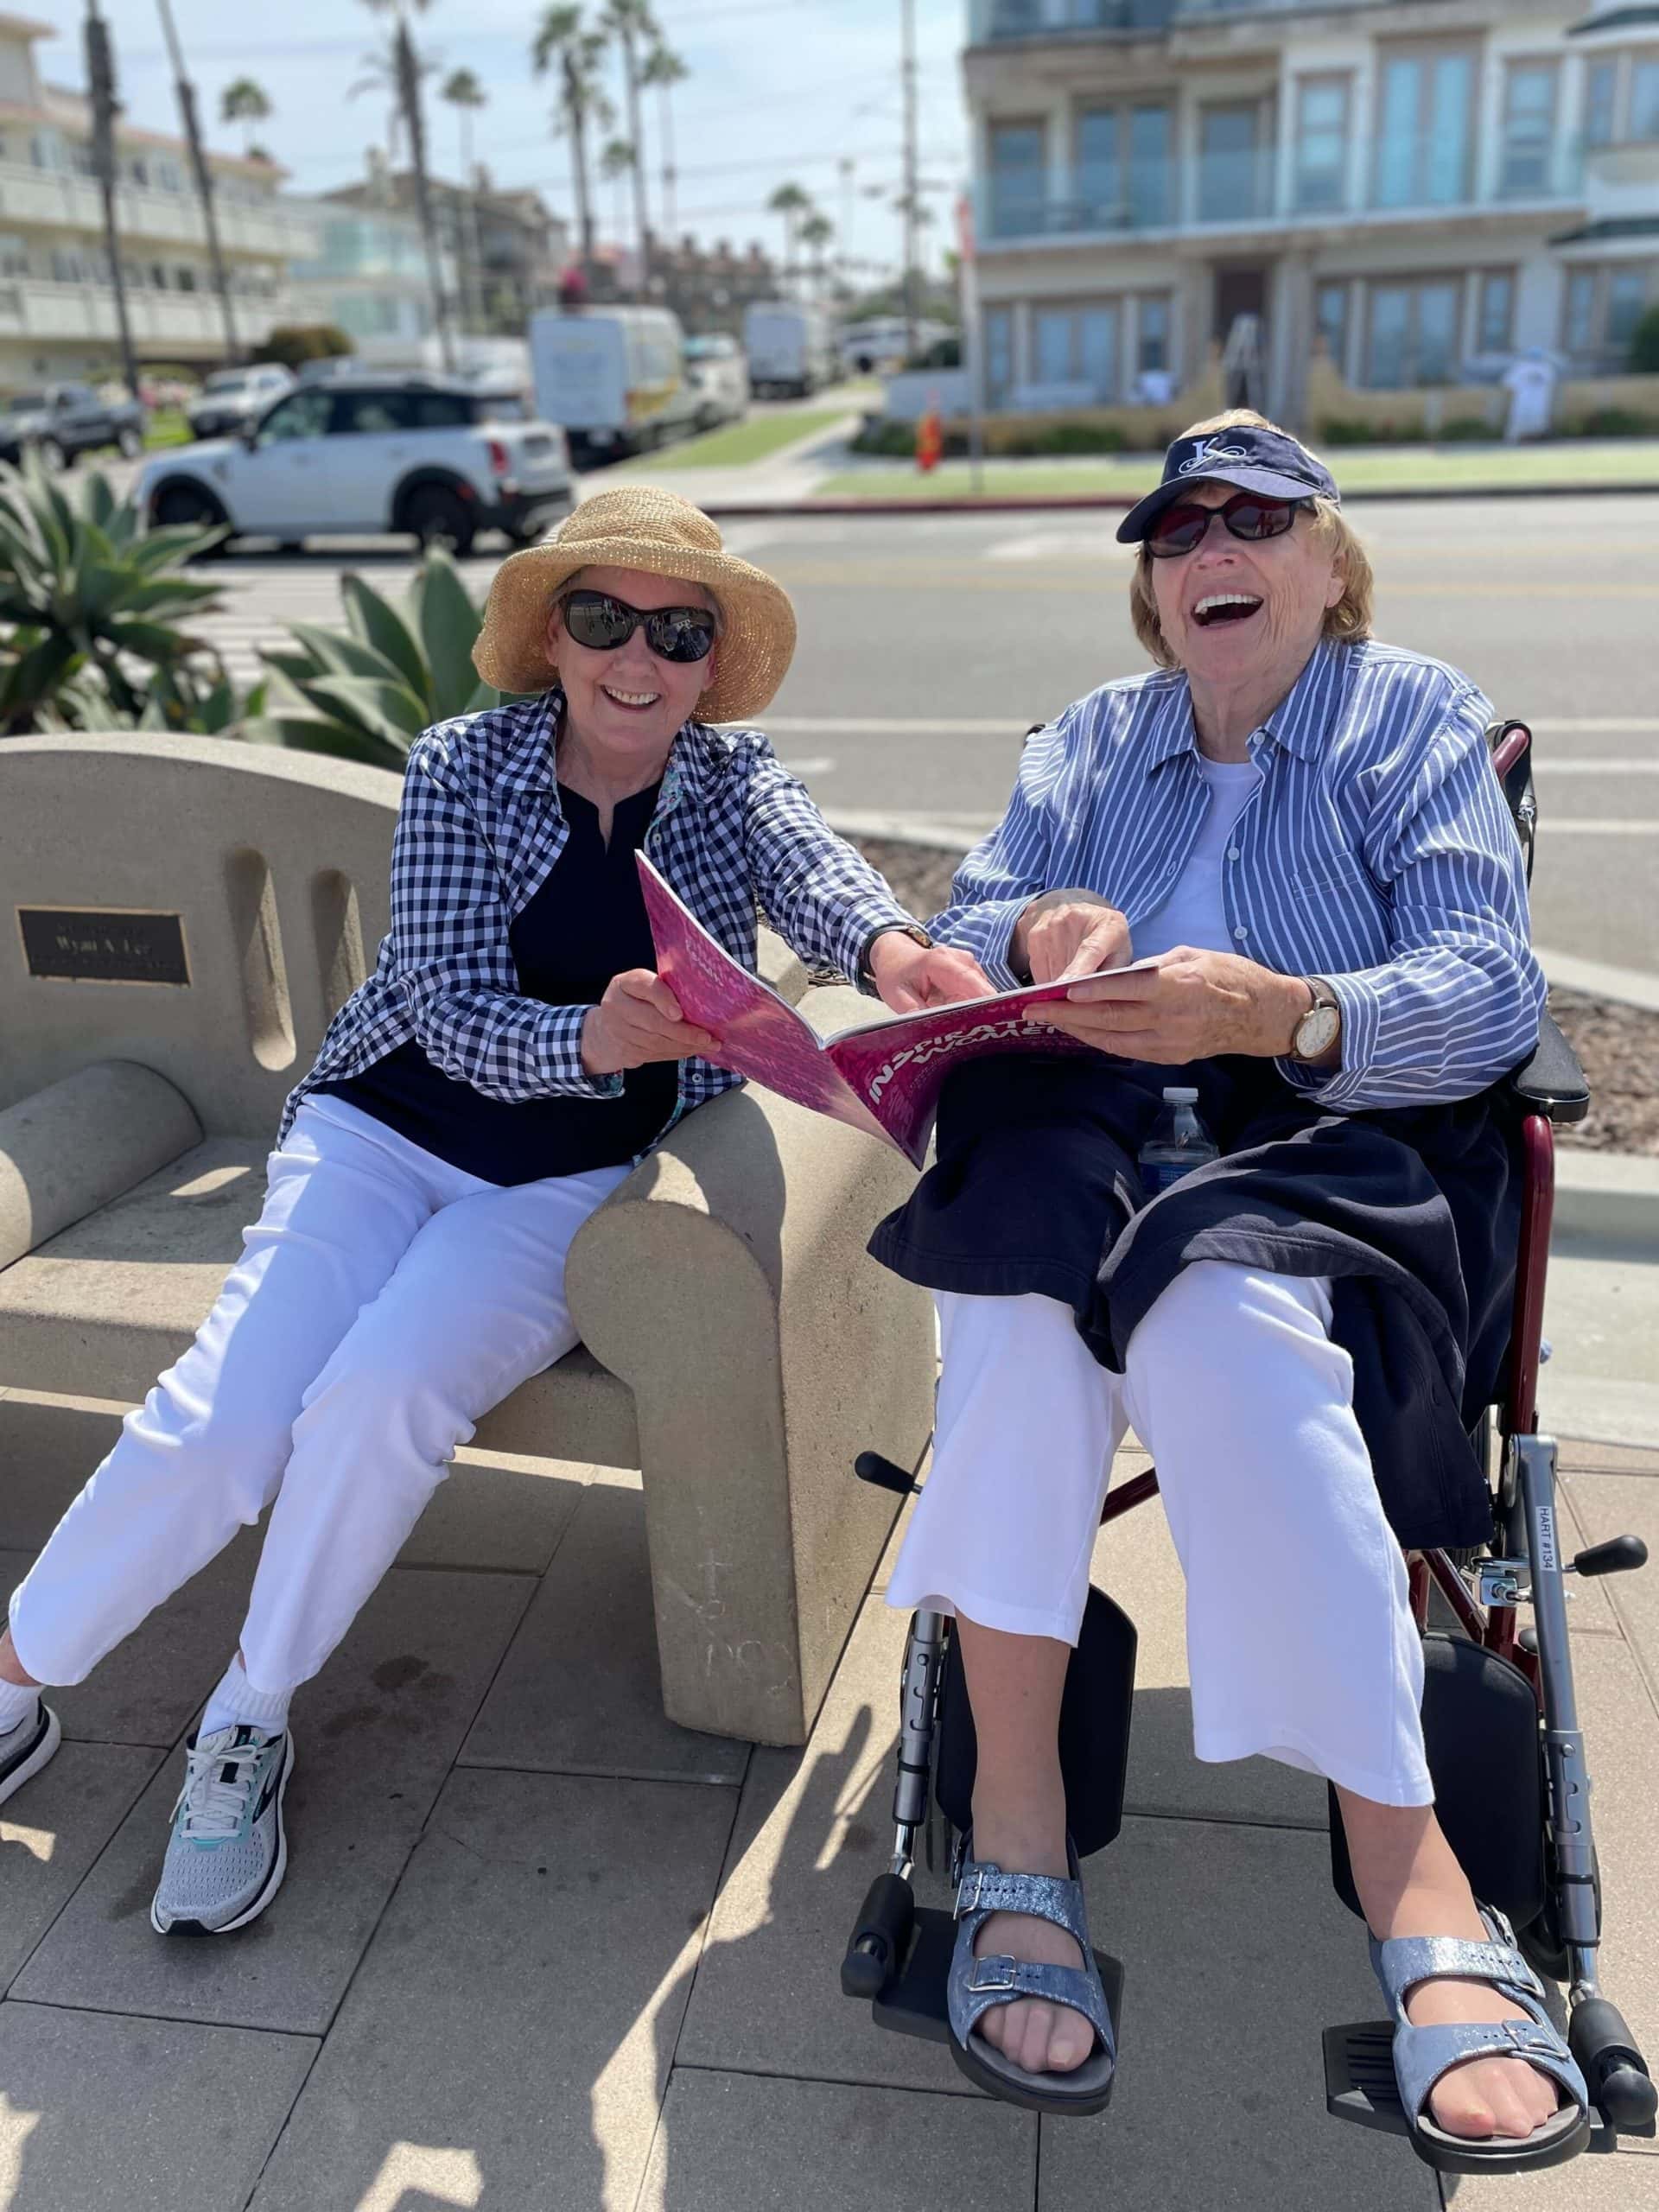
(1320, 1026)
(865, 979)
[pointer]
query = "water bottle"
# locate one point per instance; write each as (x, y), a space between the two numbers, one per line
(1179, 1143)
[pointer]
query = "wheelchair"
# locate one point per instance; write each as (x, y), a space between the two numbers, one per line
(1500, 1718)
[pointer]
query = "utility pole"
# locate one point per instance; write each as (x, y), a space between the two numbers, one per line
(911, 188)
(100, 79)
(187, 95)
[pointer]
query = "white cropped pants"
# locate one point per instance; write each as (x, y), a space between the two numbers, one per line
(383, 1300)
(1300, 1643)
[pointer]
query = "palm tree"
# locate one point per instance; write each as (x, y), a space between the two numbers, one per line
(792, 203)
(407, 70)
(466, 95)
(629, 22)
(665, 70)
(564, 42)
(246, 103)
(204, 176)
(616, 161)
(815, 233)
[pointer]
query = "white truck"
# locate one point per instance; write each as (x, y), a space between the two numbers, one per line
(790, 347)
(614, 378)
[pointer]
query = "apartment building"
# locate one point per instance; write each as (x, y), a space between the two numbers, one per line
(504, 251)
(1426, 186)
(57, 304)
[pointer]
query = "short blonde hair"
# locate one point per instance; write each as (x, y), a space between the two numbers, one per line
(1351, 615)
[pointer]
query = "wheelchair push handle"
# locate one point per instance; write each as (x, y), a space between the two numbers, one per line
(1619, 1555)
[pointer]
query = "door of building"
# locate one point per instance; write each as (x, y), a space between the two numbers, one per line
(1240, 330)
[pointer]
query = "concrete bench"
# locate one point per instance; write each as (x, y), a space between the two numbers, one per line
(190, 912)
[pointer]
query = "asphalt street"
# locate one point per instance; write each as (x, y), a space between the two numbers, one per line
(930, 644)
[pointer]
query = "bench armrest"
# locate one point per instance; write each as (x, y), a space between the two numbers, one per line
(71, 1148)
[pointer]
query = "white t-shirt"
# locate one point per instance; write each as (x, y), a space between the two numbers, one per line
(1193, 912)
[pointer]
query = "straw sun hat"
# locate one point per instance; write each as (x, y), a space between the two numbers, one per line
(640, 527)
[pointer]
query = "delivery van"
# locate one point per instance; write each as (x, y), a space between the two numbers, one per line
(791, 349)
(614, 378)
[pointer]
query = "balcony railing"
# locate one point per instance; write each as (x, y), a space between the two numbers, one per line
(999, 19)
(1244, 187)
(32, 309)
(62, 200)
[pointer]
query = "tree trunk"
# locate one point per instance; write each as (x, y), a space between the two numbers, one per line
(637, 135)
(409, 88)
(575, 108)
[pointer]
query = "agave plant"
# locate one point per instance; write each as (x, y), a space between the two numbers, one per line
(367, 692)
(93, 601)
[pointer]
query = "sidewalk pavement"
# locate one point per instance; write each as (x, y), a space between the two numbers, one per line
(540, 1951)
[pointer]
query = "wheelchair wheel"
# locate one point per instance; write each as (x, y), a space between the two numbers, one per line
(1541, 1941)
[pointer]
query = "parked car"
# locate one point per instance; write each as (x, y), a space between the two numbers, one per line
(791, 349)
(614, 377)
(234, 399)
(424, 454)
(719, 377)
(62, 420)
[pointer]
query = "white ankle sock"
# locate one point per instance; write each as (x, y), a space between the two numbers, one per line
(235, 1701)
(17, 1705)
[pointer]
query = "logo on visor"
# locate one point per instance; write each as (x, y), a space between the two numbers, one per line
(1206, 452)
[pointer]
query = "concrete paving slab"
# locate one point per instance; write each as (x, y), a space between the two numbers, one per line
(48, 1446)
(518, 2007)
(732, 2140)
(1134, 1562)
(1613, 1505)
(1601, 1315)
(102, 2115)
(580, 1692)
(147, 1690)
(1623, 2181)
(52, 1830)
(497, 1511)
(1236, 1957)
(375, 1735)
(1580, 1455)
(1621, 1730)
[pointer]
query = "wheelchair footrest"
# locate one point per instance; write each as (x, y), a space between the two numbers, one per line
(915, 2002)
(1359, 2083)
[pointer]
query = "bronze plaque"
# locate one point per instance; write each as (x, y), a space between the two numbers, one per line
(94, 944)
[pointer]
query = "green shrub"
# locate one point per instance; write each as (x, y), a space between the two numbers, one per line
(1465, 429)
(1613, 422)
(294, 343)
(1644, 343)
(93, 602)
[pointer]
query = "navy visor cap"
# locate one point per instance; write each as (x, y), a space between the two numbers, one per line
(1256, 461)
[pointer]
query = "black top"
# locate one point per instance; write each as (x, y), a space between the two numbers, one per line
(586, 924)
(1414, 1212)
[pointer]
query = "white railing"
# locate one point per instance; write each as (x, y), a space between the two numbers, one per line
(66, 201)
(29, 308)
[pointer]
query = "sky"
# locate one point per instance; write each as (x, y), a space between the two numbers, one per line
(778, 91)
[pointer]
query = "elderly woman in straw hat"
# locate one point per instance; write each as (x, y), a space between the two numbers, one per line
(1300, 827)
(510, 1058)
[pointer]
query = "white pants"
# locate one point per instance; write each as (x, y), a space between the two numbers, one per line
(383, 1300)
(1300, 1643)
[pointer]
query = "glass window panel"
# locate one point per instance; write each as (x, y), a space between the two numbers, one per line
(1100, 175)
(303, 415)
(1152, 347)
(1627, 300)
(1644, 100)
(999, 354)
(1018, 184)
(1496, 312)
(1053, 345)
(1149, 167)
(1097, 350)
(1321, 143)
(1227, 162)
(1396, 148)
(1330, 312)
(1528, 126)
(1580, 310)
(1446, 171)
(1600, 95)
(1390, 332)
(1437, 332)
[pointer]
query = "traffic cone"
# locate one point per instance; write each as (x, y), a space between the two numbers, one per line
(930, 438)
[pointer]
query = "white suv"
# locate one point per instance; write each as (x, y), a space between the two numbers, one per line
(442, 460)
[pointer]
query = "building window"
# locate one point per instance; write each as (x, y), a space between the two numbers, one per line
(1644, 98)
(1494, 331)
(998, 327)
(1579, 328)
(1414, 334)
(1330, 318)
(1229, 176)
(1019, 179)
(1078, 345)
(1100, 169)
(185, 279)
(1150, 135)
(1627, 302)
(1425, 130)
(1321, 141)
(1600, 104)
(1529, 128)
(14, 256)
(1152, 336)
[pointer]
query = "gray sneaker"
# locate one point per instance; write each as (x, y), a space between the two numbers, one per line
(227, 1852)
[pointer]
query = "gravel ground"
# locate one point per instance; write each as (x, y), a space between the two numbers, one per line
(1617, 1046)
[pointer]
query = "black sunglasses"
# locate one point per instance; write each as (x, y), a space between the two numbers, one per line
(594, 618)
(1251, 516)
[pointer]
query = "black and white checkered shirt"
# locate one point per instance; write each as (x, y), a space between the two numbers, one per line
(480, 828)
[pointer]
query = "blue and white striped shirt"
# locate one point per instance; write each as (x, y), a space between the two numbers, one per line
(1377, 851)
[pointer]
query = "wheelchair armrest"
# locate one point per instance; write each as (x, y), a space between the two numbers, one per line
(1551, 1083)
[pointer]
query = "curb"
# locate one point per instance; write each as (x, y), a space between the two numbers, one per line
(1064, 502)
(1609, 1197)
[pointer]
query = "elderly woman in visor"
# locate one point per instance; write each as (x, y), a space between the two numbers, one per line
(512, 1057)
(1303, 827)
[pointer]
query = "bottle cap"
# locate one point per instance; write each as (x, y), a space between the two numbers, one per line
(1178, 1095)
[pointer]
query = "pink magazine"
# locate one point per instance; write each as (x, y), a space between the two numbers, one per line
(882, 1076)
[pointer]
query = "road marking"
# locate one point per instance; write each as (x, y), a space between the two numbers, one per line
(1550, 769)
(1598, 979)
(876, 726)
(1566, 827)
(820, 764)
(1594, 725)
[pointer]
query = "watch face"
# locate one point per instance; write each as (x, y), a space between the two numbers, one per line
(1316, 1031)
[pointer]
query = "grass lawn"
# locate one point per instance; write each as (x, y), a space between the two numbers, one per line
(758, 439)
(1634, 460)
(167, 427)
